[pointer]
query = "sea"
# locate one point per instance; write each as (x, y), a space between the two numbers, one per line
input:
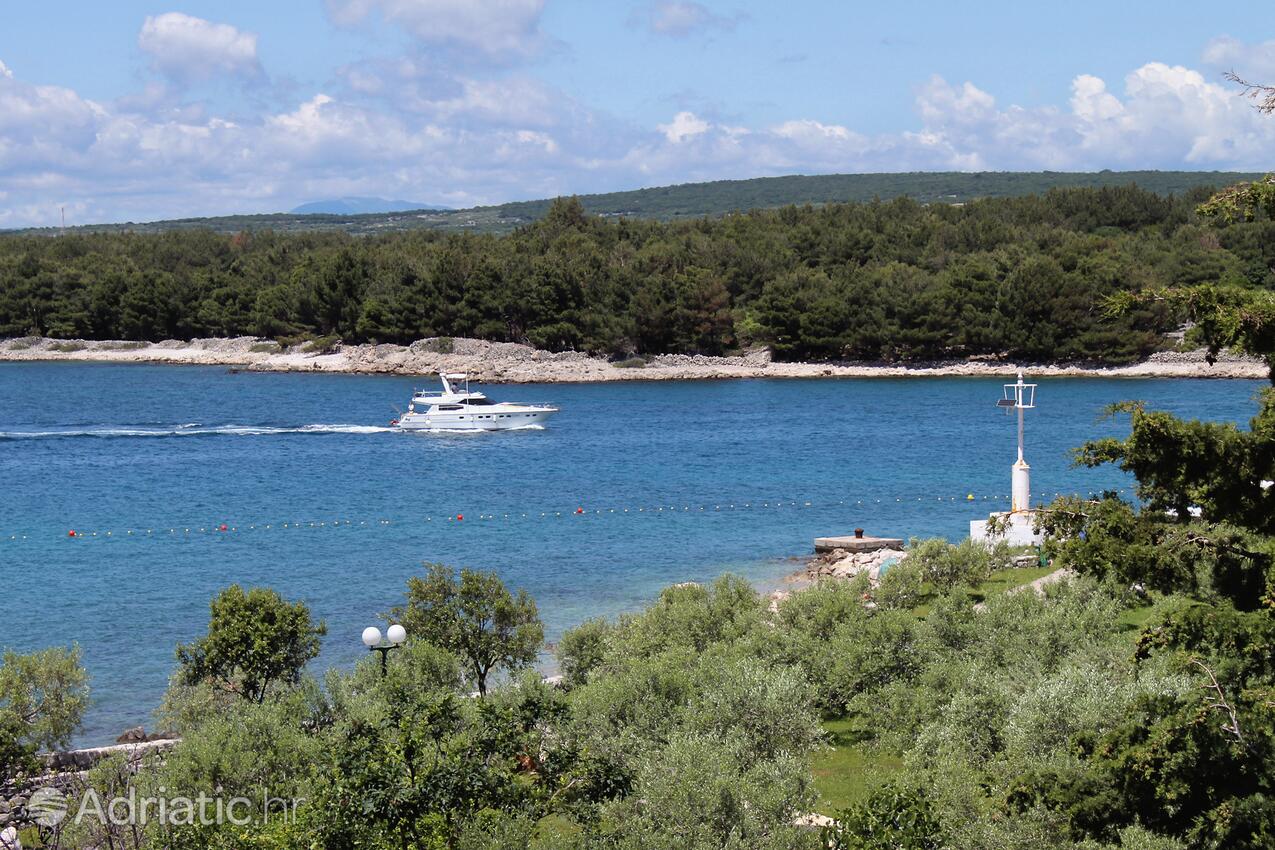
(178, 481)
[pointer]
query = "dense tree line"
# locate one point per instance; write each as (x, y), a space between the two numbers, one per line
(1023, 277)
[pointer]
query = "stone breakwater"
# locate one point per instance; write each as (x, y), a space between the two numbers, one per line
(67, 771)
(511, 363)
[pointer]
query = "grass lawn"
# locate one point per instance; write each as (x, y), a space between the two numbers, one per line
(852, 769)
(1003, 580)
(996, 584)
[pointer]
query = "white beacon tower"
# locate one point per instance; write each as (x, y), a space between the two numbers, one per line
(1018, 396)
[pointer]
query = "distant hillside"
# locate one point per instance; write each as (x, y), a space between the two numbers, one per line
(360, 206)
(695, 200)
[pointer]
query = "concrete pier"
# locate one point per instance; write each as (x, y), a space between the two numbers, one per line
(853, 543)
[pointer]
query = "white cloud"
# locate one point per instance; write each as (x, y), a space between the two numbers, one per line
(684, 126)
(406, 128)
(186, 48)
(1254, 62)
(681, 18)
(504, 30)
(1090, 100)
(5, 72)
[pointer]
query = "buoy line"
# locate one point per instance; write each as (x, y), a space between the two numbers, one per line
(186, 530)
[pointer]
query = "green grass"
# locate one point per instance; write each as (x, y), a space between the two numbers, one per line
(1003, 580)
(995, 584)
(852, 769)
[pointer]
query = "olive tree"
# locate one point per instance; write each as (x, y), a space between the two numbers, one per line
(42, 700)
(255, 639)
(474, 616)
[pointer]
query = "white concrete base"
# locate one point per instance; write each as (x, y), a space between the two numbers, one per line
(1018, 532)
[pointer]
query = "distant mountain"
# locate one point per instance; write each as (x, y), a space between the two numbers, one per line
(361, 206)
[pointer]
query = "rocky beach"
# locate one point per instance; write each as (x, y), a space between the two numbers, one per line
(512, 363)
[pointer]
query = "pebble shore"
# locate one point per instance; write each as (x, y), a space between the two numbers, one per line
(511, 363)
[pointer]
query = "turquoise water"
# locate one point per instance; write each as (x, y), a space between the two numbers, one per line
(714, 476)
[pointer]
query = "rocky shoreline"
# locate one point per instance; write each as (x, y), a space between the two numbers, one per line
(511, 363)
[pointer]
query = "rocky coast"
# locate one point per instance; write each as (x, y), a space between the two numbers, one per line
(511, 363)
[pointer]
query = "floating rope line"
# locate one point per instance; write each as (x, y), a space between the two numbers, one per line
(186, 530)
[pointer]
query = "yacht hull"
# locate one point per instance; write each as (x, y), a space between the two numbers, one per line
(493, 420)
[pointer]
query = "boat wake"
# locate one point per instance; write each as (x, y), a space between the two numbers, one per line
(195, 429)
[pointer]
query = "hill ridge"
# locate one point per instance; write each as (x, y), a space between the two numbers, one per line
(697, 200)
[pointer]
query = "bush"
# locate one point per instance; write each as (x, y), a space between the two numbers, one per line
(321, 345)
(945, 565)
(582, 650)
(439, 345)
(893, 818)
(901, 587)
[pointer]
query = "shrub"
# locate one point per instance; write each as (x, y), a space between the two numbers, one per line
(582, 650)
(946, 565)
(321, 345)
(893, 818)
(902, 585)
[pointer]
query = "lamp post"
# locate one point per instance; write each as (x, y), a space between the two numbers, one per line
(395, 636)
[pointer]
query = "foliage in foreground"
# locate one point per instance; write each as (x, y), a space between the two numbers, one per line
(1029, 721)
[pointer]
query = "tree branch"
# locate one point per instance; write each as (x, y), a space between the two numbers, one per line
(1233, 726)
(1208, 543)
(1263, 94)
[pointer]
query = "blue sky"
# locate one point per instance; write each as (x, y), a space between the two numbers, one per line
(140, 110)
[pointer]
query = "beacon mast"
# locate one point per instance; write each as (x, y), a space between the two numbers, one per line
(1017, 522)
(1019, 397)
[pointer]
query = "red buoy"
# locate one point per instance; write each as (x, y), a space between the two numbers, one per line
(579, 510)
(460, 516)
(221, 527)
(71, 533)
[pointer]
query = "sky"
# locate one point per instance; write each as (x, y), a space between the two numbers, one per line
(135, 110)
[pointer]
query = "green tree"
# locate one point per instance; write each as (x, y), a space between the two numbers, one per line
(255, 640)
(43, 696)
(474, 616)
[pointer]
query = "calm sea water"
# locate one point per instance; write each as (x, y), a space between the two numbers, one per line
(678, 481)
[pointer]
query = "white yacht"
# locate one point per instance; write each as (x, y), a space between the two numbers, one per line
(456, 408)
